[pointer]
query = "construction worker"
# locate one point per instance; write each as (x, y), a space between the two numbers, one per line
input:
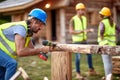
(78, 29)
(107, 36)
(15, 41)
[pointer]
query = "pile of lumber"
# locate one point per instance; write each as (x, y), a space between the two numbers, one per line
(116, 64)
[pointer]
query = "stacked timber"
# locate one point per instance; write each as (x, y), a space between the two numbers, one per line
(116, 64)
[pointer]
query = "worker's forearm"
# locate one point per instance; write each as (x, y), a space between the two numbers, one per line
(76, 32)
(28, 52)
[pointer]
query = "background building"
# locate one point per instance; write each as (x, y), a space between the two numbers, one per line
(59, 13)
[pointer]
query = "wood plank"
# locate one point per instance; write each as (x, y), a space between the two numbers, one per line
(16, 75)
(92, 49)
(61, 66)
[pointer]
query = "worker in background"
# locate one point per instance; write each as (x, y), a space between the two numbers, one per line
(15, 40)
(107, 36)
(78, 29)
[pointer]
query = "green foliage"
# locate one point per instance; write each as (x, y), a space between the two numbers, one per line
(4, 19)
(2, 0)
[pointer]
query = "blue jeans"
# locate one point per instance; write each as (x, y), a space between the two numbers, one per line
(77, 59)
(107, 62)
(8, 66)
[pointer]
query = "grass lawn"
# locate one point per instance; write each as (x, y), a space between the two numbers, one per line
(37, 69)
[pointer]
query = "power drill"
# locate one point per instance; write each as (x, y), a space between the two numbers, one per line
(48, 43)
(43, 56)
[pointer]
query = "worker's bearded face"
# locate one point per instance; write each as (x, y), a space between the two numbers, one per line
(36, 25)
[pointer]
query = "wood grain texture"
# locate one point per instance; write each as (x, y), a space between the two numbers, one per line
(61, 66)
(85, 49)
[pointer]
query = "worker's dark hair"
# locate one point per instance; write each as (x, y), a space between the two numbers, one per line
(110, 19)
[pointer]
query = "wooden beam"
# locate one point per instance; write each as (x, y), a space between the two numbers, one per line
(16, 75)
(85, 49)
(22, 72)
(62, 25)
(61, 68)
(49, 26)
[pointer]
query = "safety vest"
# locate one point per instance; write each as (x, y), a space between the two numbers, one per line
(109, 36)
(9, 46)
(79, 25)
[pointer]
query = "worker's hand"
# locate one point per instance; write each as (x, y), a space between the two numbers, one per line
(89, 30)
(46, 49)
